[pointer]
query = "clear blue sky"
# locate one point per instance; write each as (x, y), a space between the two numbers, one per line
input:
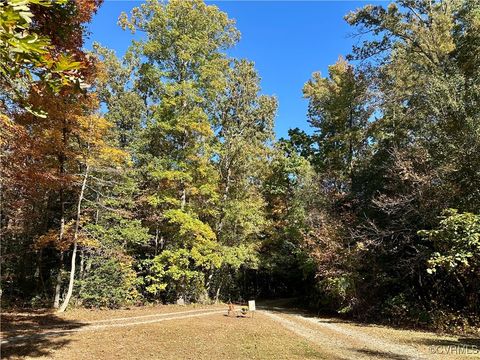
(287, 40)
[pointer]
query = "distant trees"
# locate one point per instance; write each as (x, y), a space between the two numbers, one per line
(414, 134)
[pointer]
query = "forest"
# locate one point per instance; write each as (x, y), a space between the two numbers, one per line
(156, 177)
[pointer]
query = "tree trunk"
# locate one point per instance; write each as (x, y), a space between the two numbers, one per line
(82, 264)
(39, 273)
(61, 159)
(75, 244)
(183, 199)
(88, 266)
(58, 285)
(225, 197)
(156, 241)
(206, 290)
(217, 294)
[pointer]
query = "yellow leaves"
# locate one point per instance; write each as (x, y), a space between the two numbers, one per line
(93, 130)
(207, 255)
(202, 127)
(190, 227)
(314, 86)
(111, 155)
(155, 200)
(66, 63)
(341, 77)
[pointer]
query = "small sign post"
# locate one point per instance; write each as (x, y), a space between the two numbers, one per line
(251, 306)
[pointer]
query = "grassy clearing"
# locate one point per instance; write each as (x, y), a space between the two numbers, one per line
(215, 336)
(202, 332)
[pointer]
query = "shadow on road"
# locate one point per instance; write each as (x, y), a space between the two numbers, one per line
(292, 307)
(380, 354)
(34, 334)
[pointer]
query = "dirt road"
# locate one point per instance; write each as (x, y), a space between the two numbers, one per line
(349, 340)
(338, 340)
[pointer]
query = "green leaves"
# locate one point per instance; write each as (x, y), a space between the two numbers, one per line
(396, 141)
(337, 110)
(111, 283)
(173, 270)
(25, 56)
(456, 241)
(190, 229)
(118, 233)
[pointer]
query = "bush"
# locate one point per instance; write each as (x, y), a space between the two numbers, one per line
(457, 241)
(171, 275)
(111, 283)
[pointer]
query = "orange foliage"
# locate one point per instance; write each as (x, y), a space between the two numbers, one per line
(52, 238)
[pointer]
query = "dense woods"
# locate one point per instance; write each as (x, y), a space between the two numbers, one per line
(157, 177)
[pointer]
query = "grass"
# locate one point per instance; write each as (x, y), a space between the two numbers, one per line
(211, 337)
(214, 336)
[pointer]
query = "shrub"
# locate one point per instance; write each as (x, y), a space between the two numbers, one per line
(111, 283)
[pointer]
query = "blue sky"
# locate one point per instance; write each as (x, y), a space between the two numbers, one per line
(287, 40)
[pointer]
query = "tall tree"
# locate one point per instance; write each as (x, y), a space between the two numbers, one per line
(244, 128)
(338, 112)
(421, 140)
(182, 72)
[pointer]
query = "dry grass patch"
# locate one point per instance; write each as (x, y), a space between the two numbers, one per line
(214, 336)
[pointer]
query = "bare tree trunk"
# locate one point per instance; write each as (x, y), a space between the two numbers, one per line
(88, 266)
(209, 280)
(217, 294)
(82, 264)
(75, 244)
(58, 285)
(156, 241)
(225, 197)
(40, 273)
(206, 292)
(183, 199)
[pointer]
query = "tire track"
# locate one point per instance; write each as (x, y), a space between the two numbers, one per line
(95, 327)
(344, 343)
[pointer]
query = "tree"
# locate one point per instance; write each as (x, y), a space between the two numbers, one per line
(95, 152)
(244, 128)
(182, 72)
(126, 108)
(48, 85)
(26, 55)
(338, 111)
(417, 157)
(291, 193)
(456, 242)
